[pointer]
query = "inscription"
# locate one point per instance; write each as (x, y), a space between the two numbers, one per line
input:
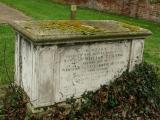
(87, 67)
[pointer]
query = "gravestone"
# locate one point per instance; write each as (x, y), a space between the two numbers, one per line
(55, 60)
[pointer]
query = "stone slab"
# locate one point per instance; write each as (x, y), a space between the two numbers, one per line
(63, 31)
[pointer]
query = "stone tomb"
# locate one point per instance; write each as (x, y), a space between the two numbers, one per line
(55, 60)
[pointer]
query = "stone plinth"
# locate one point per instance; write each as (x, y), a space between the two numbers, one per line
(55, 60)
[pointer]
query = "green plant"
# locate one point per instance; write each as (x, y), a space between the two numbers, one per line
(131, 95)
(15, 103)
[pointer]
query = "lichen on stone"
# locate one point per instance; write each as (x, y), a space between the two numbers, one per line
(132, 28)
(52, 30)
(70, 26)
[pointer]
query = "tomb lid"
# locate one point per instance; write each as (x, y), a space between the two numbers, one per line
(68, 30)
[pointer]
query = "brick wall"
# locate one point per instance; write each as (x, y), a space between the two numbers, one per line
(134, 8)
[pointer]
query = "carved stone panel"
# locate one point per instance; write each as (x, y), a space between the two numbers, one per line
(87, 67)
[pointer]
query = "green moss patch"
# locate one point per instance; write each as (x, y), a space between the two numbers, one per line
(132, 28)
(70, 26)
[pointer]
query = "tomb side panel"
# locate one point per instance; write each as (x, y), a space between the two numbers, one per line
(26, 58)
(34, 82)
(17, 60)
(136, 57)
(45, 75)
(87, 67)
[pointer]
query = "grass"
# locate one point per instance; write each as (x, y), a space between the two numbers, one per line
(7, 60)
(46, 9)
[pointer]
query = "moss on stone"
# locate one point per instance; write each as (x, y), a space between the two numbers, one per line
(130, 27)
(67, 30)
(70, 26)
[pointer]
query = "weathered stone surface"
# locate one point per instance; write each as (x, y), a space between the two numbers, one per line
(31, 109)
(63, 31)
(86, 67)
(51, 70)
